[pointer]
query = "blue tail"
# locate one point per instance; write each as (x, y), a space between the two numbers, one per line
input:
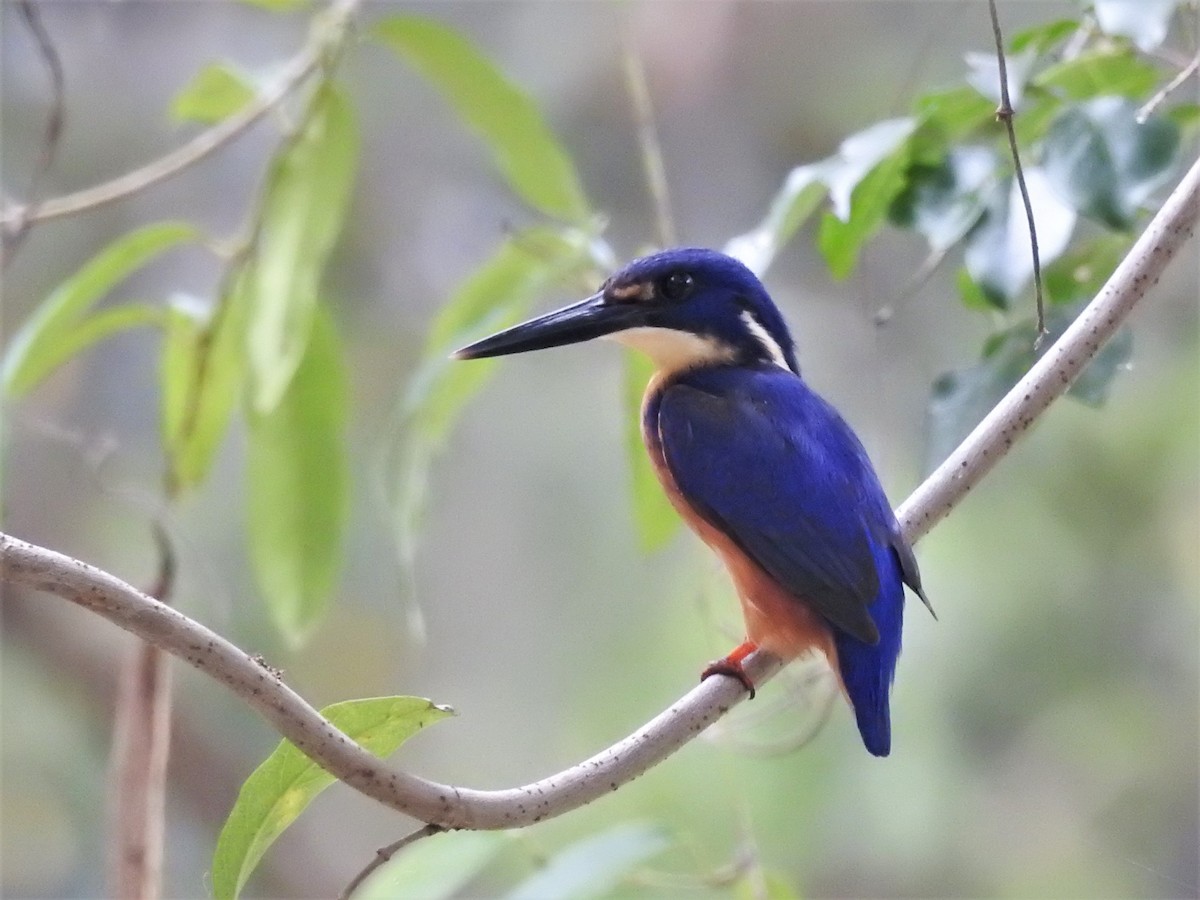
(868, 669)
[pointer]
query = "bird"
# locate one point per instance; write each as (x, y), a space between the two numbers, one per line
(760, 466)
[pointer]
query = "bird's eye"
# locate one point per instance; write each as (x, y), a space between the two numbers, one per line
(676, 286)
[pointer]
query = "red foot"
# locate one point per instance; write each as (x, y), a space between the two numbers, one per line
(731, 665)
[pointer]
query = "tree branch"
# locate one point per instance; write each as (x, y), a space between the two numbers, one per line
(31, 566)
(17, 217)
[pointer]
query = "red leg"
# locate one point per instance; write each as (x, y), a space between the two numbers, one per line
(731, 665)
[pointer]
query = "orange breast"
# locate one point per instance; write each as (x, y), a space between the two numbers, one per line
(777, 621)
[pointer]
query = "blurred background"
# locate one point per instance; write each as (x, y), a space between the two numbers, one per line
(1046, 728)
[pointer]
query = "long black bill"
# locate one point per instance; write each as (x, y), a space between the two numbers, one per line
(590, 318)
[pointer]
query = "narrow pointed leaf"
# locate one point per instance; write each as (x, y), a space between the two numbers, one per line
(298, 476)
(215, 92)
(529, 156)
(287, 781)
(436, 868)
(656, 521)
(308, 192)
(594, 866)
(36, 349)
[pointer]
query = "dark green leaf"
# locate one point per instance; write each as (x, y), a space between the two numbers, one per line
(216, 92)
(38, 347)
(298, 477)
(942, 202)
(653, 515)
(1042, 38)
(1145, 22)
(282, 787)
(841, 238)
(201, 373)
(1114, 71)
(498, 294)
(529, 156)
(798, 199)
(973, 296)
(1079, 274)
(998, 254)
(593, 866)
(437, 868)
(1105, 163)
(308, 191)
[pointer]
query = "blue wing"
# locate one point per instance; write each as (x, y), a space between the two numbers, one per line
(771, 464)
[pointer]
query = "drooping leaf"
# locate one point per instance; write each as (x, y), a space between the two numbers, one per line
(437, 868)
(998, 252)
(298, 478)
(844, 230)
(495, 296)
(942, 202)
(1145, 22)
(201, 375)
(1096, 73)
(529, 156)
(656, 521)
(287, 781)
(593, 866)
(1105, 163)
(801, 194)
(38, 347)
(308, 191)
(215, 92)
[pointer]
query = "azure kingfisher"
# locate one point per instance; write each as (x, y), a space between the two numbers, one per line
(763, 469)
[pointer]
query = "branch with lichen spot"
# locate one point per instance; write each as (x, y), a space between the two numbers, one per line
(26, 565)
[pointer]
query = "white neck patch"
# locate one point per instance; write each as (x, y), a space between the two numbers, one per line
(768, 343)
(673, 351)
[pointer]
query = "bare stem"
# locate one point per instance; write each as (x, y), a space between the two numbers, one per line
(30, 566)
(1170, 87)
(383, 854)
(1005, 114)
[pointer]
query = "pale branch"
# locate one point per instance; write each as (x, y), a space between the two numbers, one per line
(26, 565)
(17, 217)
(1170, 87)
(1005, 114)
(384, 854)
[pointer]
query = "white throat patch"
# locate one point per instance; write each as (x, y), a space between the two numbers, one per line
(673, 351)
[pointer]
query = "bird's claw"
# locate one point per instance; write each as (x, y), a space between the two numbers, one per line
(731, 667)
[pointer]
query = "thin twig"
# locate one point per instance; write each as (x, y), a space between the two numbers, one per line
(294, 74)
(27, 565)
(1158, 99)
(12, 237)
(383, 854)
(1005, 114)
(647, 131)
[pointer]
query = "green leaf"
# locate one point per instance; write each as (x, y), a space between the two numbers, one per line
(593, 866)
(997, 251)
(308, 192)
(215, 92)
(437, 868)
(759, 885)
(1187, 117)
(495, 296)
(529, 156)
(848, 227)
(298, 476)
(801, 194)
(1145, 22)
(201, 374)
(956, 112)
(655, 519)
(1079, 274)
(1042, 38)
(1105, 163)
(942, 202)
(287, 781)
(42, 343)
(1108, 71)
